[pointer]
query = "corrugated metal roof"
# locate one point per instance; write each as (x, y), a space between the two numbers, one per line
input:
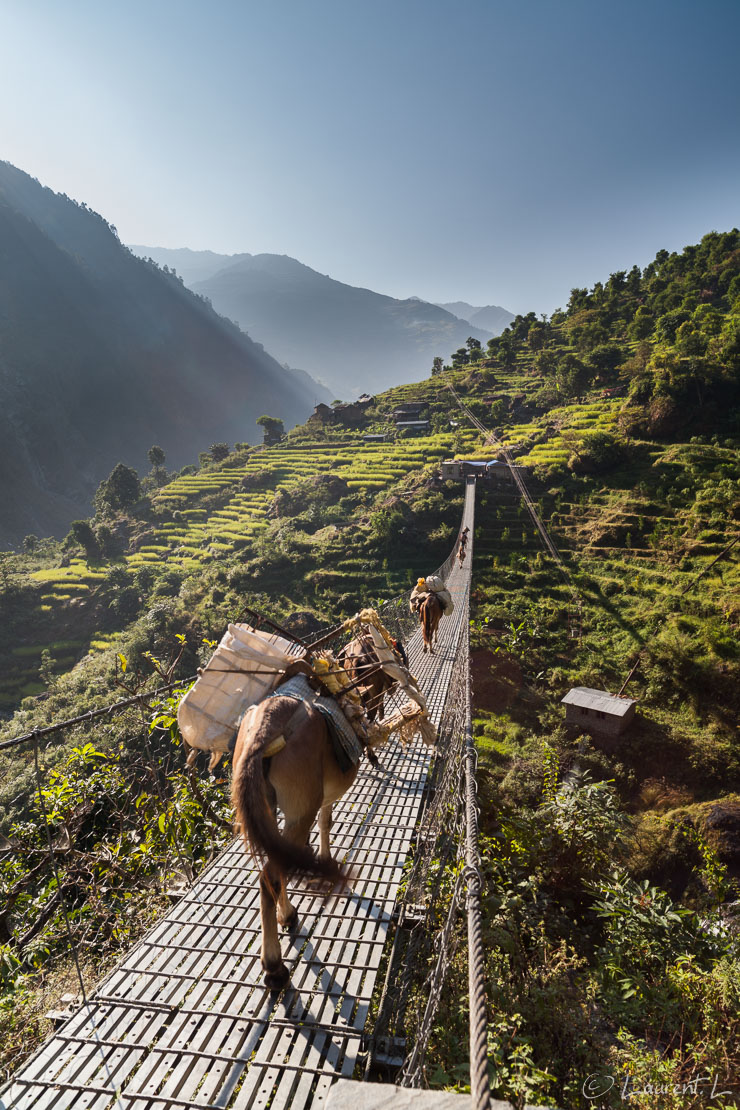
(598, 700)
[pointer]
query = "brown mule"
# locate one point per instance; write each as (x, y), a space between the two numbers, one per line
(361, 662)
(430, 611)
(284, 759)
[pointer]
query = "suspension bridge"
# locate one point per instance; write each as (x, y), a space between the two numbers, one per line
(184, 1020)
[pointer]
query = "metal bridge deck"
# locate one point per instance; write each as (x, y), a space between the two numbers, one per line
(185, 1021)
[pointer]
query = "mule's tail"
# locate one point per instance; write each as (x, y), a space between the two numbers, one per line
(426, 621)
(254, 814)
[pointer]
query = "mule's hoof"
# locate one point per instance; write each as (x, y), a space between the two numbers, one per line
(277, 977)
(291, 921)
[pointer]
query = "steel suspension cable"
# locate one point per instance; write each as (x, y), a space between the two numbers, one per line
(478, 1014)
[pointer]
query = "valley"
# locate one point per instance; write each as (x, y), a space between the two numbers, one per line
(604, 861)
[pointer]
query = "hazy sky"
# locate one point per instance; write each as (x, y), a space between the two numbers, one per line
(482, 150)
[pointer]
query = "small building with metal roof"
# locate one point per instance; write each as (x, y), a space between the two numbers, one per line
(493, 469)
(597, 711)
(413, 425)
(408, 410)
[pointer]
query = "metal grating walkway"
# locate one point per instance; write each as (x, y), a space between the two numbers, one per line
(185, 1021)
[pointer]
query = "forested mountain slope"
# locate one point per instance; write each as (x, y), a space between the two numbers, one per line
(354, 340)
(103, 355)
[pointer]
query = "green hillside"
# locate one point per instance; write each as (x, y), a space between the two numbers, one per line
(613, 868)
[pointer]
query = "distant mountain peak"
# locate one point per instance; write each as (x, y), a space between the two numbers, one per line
(491, 317)
(354, 339)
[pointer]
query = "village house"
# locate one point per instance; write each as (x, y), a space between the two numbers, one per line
(414, 426)
(597, 711)
(322, 414)
(493, 470)
(349, 414)
(410, 410)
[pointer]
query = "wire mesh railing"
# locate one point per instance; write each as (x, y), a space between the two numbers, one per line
(443, 878)
(105, 829)
(428, 909)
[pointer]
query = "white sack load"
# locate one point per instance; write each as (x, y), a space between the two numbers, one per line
(436, 586)
(244, 668)
(390, 664)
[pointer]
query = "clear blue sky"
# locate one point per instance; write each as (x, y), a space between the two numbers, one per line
(489, 151)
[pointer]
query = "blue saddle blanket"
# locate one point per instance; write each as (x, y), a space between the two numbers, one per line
(346, 745)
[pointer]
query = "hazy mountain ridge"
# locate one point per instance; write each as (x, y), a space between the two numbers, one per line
(190, 265)
(491, 317)
(102, 355)
(352, 338)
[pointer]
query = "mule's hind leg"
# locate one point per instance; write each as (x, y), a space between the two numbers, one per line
(276, 973)
(324, 830)
(297, 832)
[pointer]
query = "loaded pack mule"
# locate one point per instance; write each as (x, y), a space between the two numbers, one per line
(430, 600)
(360, 659)
(430, 614)
(287, 758)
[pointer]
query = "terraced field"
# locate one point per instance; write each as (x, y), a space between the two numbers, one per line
(214, 513)
(196, 535)
(676, 503)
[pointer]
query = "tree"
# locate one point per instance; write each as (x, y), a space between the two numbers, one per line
(273, 428)
(537, 336)
(571, 376)
(642, 324)
(156, 457)
(689, 341)
(668, 324)
(605, 358)
(497, 410)
(590, 335)
(118, 492)
(30, 543)
(80, 532)
(507, 349)
(545, 362)
(219, 451)
(595, 452)
(437, 364)
(387, 526)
